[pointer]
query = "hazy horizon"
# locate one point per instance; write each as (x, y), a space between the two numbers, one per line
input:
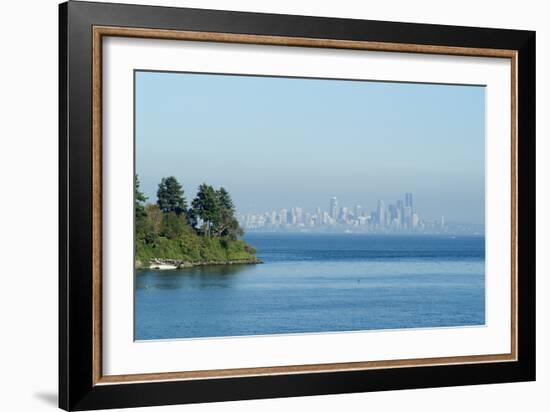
(277, 142)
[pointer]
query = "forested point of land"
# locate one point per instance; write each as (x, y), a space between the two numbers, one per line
(204, 232)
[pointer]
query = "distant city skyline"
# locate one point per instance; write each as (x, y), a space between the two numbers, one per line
(398, 217)
(275, 142)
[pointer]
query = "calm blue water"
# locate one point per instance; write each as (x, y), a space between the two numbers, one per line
(319, 283)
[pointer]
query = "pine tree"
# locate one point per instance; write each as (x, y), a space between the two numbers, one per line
(225, 200)
(227, 225)
(139, 208)
(206, 206)
(170, 196)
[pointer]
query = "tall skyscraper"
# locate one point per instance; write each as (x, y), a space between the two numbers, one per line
(400, 213)
(291, 217)
(407, 216)
(283, 216)
(392, 210)
(344, 214)
(298, 212)
(399, 205)
(358, 211)
(409, 200)
(398, 217)
(381, 212)
(334, 208)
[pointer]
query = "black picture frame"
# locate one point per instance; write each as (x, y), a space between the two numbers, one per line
(77, 390)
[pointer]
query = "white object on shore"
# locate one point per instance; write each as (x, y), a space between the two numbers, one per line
(163, 266)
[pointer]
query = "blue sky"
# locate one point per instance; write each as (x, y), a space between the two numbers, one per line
(282, 142)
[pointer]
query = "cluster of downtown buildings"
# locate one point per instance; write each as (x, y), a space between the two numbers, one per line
(398, 217)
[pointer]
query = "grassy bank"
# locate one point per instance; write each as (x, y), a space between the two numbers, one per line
(192, 248)
(172, 234)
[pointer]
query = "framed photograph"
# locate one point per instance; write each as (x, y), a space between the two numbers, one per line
(256, 205)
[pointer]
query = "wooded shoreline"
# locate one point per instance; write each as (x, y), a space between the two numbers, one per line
(176, 264)
(172, 235)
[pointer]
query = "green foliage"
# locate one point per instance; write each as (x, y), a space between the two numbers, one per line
(173, 225)
(155, 218)
(207, 232)
(139, 207)
(190, 247)
(170, 196)
(139, 196)
(206, 207)
(225, 200)
(227, 225)
(216, 211)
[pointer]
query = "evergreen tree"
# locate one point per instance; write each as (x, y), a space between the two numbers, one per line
(206, 206)
(227, 225)
(139, 208)
(169, 230)
(225, 200)
(170, 196)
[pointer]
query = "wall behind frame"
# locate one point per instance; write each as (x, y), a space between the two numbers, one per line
(28, 210)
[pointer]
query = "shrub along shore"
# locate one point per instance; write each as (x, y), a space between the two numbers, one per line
(171, 235)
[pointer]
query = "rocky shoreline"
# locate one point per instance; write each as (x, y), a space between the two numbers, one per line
(174, 264)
